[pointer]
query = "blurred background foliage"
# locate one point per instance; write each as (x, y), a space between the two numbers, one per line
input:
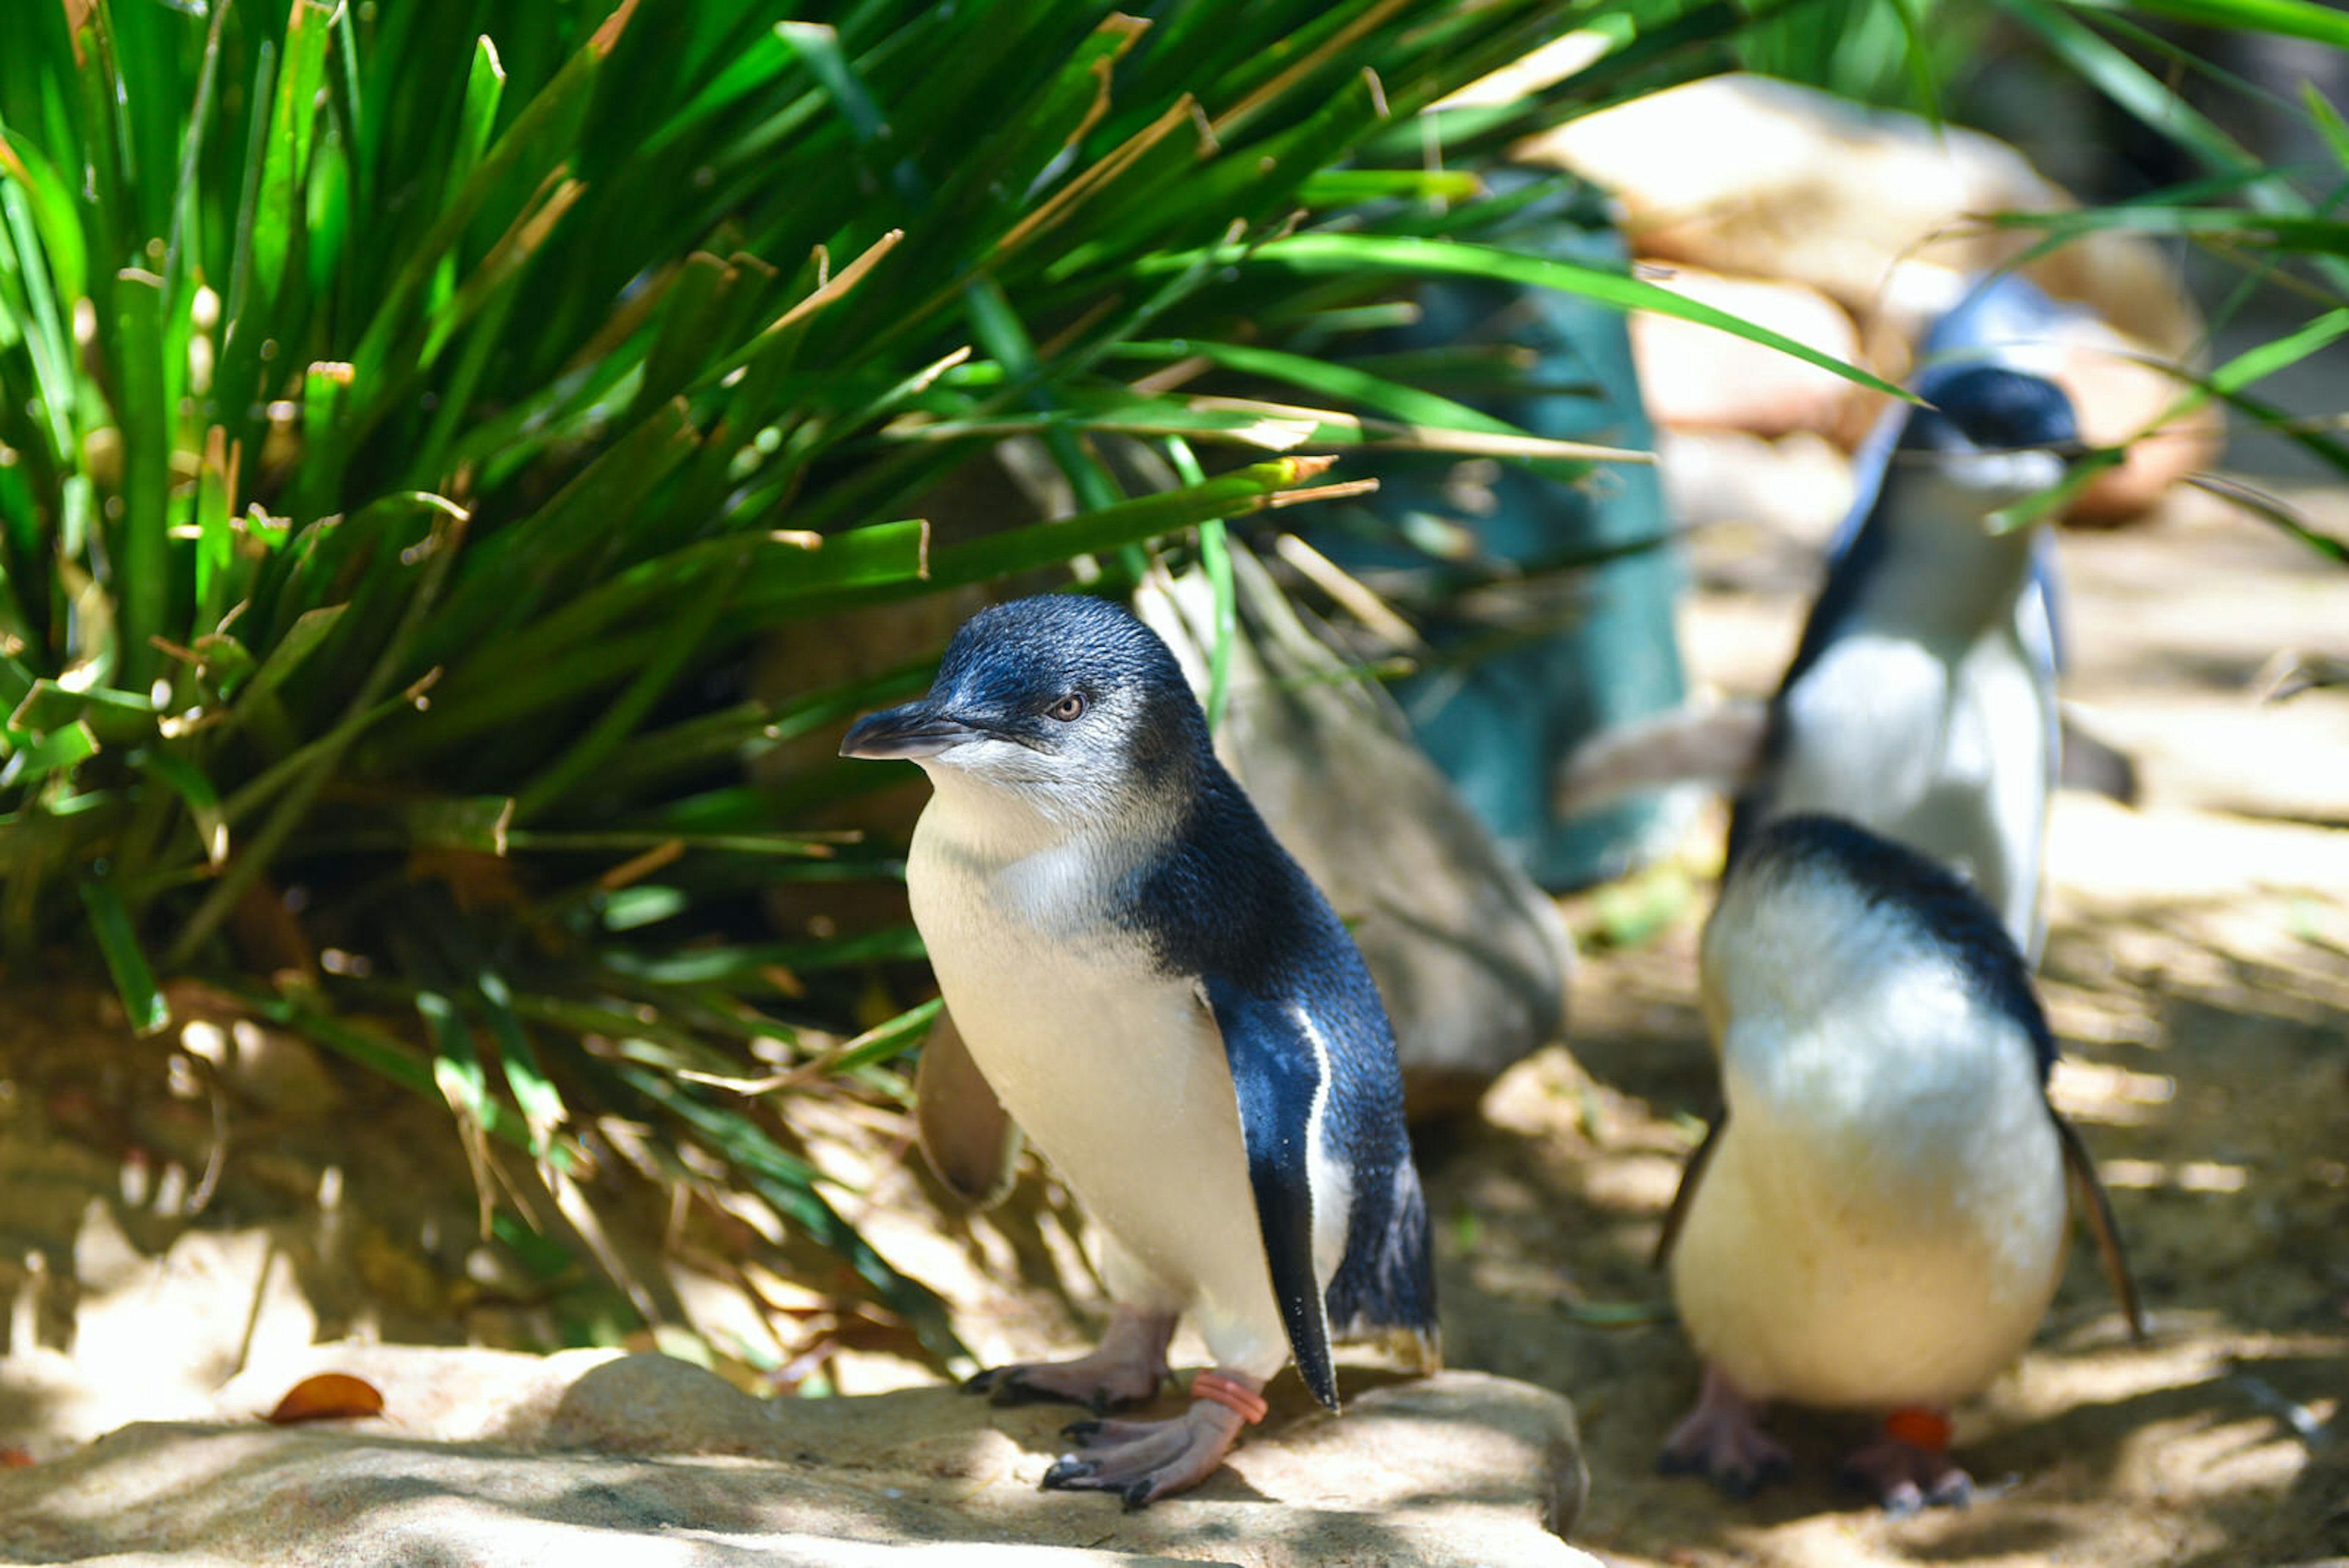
(412, 414)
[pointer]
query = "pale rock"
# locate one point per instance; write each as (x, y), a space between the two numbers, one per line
(494, 1458)
(1745, 174)
(2119, 397)
(1694, 376)
(1798, 487)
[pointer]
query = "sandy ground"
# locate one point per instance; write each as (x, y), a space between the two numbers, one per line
(2213, 1085)
(2198, 973)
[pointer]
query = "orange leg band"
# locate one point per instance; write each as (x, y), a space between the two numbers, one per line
(1926, 1429)
(1231, 1393)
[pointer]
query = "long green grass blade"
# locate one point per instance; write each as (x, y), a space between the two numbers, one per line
(1322, 255)
(2278, 19)
(1215, 560)
(134, 981)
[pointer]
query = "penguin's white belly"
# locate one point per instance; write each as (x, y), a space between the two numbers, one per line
(1873, 1239)
(1117, 1075)
(1944, 749)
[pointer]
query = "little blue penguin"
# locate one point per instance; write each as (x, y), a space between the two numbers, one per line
(1168, 1009)
(1921, 697)
(1876, 1221)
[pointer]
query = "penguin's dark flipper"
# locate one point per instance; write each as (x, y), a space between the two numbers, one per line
(2096, 1210)
(969, 1140)
(1278, 1069)
(1685, 1194)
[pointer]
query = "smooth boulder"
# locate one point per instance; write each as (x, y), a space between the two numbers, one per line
(492, 1458)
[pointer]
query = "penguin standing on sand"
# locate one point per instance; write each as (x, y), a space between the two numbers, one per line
(1921, 698)
(1878, 1220)
(1146, 984)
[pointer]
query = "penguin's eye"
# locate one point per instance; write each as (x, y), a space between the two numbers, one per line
(1068, 708)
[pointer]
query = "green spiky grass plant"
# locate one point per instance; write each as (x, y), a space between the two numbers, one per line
(402, 406)
(2278, 229)
(405, 404)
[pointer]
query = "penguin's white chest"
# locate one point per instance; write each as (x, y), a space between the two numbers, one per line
(1942, 748)
(1115, 1073)
(1882, 1222)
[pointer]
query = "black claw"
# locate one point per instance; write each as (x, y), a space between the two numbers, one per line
(1066, 1470)
(1012, 1390)
(1077, 1431)
(1737, 1485)
(1137, 1495)
(1734, 1484)
(1902, 1501)
(985, 1382)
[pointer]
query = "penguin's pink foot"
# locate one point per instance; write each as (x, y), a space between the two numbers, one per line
(1722, 1439)
(1125, 1370)
(1143, 1461)
(1909, 1466)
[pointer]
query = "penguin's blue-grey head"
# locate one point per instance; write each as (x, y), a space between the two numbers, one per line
(1996, 408)
(1993, 431)
(1060, 697)
(2004, 319)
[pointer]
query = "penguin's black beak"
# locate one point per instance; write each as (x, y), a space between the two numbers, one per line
(911, 729)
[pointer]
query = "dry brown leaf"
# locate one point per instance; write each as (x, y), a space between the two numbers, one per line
(327, 1396)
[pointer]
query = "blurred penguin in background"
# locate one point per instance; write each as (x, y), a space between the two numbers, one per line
(1921, 700)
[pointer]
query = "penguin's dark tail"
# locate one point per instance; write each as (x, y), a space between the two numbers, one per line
(1384, 1290)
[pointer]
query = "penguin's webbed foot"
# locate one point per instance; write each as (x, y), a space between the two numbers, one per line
(1723, 1441)
(1910, 1467)
(1125, 1370)
(1064, 1382)
(1143, 1461)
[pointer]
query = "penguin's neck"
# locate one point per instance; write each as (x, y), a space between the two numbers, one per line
(1039, 858)
(1943, 573)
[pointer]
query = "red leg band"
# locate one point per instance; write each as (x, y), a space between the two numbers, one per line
(1926, 1429)
(1231, 1393)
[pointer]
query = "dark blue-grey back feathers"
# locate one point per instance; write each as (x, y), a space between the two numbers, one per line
(1229, 901)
